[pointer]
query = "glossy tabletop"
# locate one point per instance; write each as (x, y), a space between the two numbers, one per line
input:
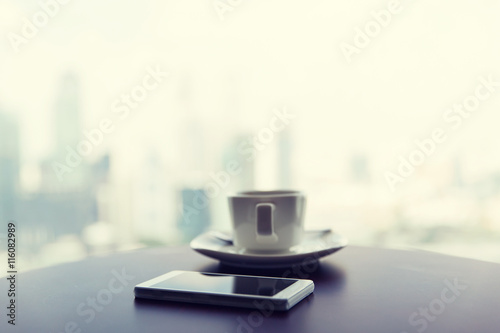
(358, 289)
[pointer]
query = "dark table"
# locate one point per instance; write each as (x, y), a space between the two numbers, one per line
(358, 289)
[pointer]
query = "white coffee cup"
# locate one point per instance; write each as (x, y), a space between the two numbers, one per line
(267, 221)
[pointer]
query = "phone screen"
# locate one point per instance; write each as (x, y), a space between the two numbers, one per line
(226, 284)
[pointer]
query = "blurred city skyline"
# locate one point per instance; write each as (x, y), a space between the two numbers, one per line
(204, 87)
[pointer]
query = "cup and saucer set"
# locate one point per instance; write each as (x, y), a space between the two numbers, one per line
(268, 232)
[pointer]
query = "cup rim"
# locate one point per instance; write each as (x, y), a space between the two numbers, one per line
(268, 193)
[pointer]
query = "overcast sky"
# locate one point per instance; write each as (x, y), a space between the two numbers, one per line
(229, 74)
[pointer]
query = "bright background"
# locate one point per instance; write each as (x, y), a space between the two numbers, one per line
(231, 66)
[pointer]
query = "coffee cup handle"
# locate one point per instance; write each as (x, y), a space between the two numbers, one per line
(264, 213)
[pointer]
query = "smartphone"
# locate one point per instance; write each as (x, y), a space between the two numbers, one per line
(226, 289)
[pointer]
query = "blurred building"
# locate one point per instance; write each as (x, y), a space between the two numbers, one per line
(154, 202)
(285, 149)
(195, 215)
(359, 168)
(67, 110)
(9, 166)
(65, 202)
(67, 169)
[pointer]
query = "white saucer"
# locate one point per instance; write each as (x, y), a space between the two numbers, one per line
(314, 246)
